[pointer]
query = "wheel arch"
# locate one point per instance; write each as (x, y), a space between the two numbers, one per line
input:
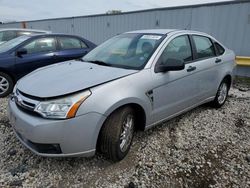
(140, 116)
(8, 73)
(228, 78)
(140, 111)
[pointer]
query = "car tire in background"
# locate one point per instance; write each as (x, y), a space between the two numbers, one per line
(117, 134)
(221, 95)
(6, 84)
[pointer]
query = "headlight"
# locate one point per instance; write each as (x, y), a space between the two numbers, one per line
(62, 108)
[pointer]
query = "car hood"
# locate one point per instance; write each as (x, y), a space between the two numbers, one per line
(68, 77)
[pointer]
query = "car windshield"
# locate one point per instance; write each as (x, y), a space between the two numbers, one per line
(12, 43)
(130, 50)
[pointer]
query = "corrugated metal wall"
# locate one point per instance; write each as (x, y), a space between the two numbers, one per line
(228, 22)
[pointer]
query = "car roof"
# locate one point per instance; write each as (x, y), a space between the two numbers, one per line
(166, 31)
(53, 34)
(21, 29)
(155, 31)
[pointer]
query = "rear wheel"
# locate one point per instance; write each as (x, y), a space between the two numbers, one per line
(221, 95)
(117, 134)
(6, 84)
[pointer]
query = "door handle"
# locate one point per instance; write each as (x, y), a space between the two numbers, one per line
(217, 60)
(191, 68)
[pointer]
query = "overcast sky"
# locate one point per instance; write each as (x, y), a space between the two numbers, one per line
(23, 10)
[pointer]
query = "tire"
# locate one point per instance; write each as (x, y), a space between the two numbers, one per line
(110, 142)
(6, 84)
(221, 95)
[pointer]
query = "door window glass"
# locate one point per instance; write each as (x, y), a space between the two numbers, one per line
(178, 48)
(204, 47)
(83, 45)
(41, 45)
(69, 43)
(220, 49)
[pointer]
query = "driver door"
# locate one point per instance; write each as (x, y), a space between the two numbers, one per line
(175, 91)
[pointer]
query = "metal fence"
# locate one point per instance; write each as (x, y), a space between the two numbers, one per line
(229, 22)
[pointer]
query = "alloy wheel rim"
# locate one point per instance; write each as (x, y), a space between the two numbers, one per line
(4, 85)
(222, 93)
(127, 133)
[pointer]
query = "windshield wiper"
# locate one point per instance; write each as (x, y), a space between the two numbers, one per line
(99, 62)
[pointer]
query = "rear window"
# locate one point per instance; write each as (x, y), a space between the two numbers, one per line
(204, 47)
(219, 48)
(70, 43)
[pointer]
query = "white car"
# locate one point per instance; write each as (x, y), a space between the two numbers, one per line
(11, 33)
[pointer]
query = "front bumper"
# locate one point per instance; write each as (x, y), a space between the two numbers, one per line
(56, 138)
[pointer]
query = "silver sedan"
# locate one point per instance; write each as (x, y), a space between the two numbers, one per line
(131, 82)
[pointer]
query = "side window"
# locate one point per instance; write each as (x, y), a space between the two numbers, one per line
(41, 45)
(220, 49)
(69, 43)
(178, 48)
(83, 45)
(204, 47)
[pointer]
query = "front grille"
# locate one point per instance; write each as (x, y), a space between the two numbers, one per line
(33, 113)
(29, 105)
(25, 103)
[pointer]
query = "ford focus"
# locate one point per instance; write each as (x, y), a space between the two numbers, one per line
(131, 82)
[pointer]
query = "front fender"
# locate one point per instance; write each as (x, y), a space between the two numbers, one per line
(108, 97)
(127, 101)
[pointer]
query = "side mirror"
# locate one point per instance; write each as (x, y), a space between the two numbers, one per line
(170, 64)
(21, 52)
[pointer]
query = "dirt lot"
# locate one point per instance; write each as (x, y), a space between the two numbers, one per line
(202, 148)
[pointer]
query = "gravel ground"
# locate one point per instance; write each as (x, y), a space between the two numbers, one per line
(202, 148)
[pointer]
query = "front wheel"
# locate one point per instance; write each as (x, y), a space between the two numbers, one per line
(221, 95)
(117, 134)
(6, 84)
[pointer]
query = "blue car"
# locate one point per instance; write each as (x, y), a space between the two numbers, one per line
(24, 54)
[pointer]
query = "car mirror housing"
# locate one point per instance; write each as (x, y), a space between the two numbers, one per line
(170, 64)
(21, 52)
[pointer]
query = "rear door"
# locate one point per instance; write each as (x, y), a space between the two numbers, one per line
(71, 48)
(207, 66)
(40, 52)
